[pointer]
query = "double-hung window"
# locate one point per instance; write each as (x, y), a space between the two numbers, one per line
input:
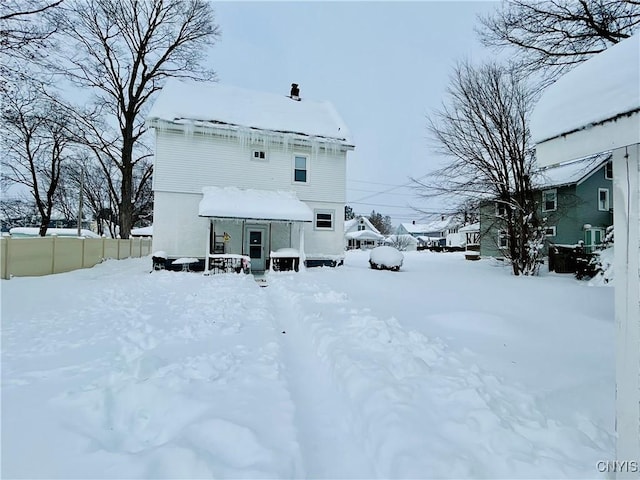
(503, 239)
(549, 200)
(608, 170)
(300, 168)
(323, 219)
(259, 155)
(603, 199)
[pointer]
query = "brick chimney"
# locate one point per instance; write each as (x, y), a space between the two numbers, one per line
(295, 92)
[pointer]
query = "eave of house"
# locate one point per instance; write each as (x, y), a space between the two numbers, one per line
(248, 134)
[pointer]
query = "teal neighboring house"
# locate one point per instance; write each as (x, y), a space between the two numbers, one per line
(575, 198)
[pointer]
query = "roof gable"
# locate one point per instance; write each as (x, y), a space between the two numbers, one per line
(571, 172)
(350, 224)
(189, 102)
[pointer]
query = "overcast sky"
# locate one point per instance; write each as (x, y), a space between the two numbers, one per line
(383, 65)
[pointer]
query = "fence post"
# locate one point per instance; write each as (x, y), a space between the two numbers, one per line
(102, 255)
(82, 256)
(53, 254)
(4, 252)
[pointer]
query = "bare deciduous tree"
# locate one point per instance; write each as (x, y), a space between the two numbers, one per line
(25, 31)
(122, 51)
(552, 36)
(20, 26)
(482, 130)
(36, 144)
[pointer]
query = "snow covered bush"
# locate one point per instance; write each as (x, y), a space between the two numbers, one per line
(602, 262)
(402, 242)
(386, 257)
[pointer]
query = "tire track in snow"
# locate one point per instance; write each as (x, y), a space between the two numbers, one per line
(324, 421)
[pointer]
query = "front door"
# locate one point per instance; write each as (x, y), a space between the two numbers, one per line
(255, 246)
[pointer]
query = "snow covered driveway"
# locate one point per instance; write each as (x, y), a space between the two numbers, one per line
(445, 369)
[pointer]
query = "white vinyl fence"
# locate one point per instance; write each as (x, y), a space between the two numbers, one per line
(35, 256)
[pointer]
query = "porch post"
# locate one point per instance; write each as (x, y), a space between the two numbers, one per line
(626, 203)
(206, 257)
(301, 247)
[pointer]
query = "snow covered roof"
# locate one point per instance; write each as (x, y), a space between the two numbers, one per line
(435, 226)
(474, 227)
(188, 101)
(605, 87)
(61, 232)
(364, 235)
(233, 202)
(571, 172)
(349, 224)
(142, 231)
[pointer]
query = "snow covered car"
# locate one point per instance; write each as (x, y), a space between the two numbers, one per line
(386, 258)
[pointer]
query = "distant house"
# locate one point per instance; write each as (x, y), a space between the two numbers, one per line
(359, 232)
(575, 198)
(432, 233)
(239, 175)
(142, 231)
(471, 235)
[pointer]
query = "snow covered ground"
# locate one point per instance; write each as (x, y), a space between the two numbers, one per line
(446, 369)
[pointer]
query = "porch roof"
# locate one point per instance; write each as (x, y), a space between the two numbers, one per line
(237, 203)
(364, 235)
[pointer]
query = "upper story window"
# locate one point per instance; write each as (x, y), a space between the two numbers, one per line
(501, 209)
(323, 219)
(259, 155)
(361, 227)
(603, 199)
(550, 231)
(503, 239)
(300, 168)
(549, 200)
(608, 170)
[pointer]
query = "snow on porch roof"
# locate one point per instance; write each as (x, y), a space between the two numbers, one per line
(237, 107)
(602, 88)
(237, 203)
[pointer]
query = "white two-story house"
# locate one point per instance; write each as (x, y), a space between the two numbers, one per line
(359, 232)
(245, 174)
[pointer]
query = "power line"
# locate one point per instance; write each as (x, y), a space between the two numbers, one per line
(381, 193)
(376, 183)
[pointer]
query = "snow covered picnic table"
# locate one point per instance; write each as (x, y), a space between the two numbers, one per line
(329, 373)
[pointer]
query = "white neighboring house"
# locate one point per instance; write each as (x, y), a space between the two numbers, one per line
(359, 232)
(246, 173)
(434, 233)
(471, 235)
(593, 109)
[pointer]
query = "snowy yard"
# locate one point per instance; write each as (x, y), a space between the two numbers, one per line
(446, 369)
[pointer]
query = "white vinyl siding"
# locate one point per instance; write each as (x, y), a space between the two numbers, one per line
(186, 163)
